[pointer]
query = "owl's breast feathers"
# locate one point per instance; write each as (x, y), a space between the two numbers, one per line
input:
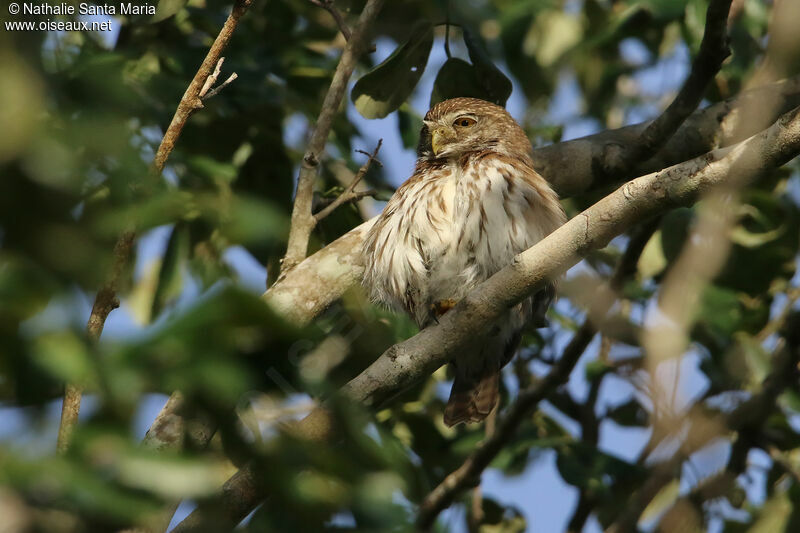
(453, 225)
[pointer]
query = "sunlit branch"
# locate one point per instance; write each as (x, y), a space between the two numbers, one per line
(572, 167)
(303, 223)
(406, 363)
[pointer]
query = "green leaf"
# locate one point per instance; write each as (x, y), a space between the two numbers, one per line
(496, 85)
(652, 261)
(457, 78)
(409, 124)
(629, 414)
(215, 171)
(501, 519)
(170, 279)
(584, 466)
(720, 309)
(663, 500)
(674, 229)
(167, 8)
(253, 220)
(386, 87)
(774, 515)
(596, 369)
(554, 33)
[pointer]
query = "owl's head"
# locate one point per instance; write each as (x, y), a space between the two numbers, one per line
(458, 126)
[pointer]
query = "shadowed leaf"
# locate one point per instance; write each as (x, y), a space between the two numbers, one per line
(386, 87)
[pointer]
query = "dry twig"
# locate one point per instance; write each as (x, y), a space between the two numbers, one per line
(350, 194)
(303, 222)
(328, 6)
(106, 299)
(206, 92)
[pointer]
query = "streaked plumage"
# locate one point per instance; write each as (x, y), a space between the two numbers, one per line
(473, 203)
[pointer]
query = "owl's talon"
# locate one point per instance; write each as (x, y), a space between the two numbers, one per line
(440, 307)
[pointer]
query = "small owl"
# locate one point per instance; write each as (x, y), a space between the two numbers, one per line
(472, 204)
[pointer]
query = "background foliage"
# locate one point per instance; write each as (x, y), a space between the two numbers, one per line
(81, 117)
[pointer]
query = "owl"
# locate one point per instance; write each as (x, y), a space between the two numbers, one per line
(473, 202)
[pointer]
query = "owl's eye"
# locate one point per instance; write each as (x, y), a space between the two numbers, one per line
(464, 122)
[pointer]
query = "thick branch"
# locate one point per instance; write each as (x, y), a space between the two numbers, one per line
(635, 201)
(302, 219)
(314, 284)
(406, 363)
(572, 167)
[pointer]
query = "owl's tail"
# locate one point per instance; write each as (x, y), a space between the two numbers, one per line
(472, 398)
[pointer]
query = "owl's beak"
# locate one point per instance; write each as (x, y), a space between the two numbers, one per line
(440, 137)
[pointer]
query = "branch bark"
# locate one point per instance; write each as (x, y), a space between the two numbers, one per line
(192, 100)
(406, 363)
(302, 220)
(104, 302)
(571, 167)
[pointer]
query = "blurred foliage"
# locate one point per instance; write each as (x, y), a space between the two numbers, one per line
(82, 116)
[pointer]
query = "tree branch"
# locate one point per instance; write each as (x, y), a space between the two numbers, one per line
(328, 6)
(572, 167)
(106, 300)
(302, 219)
(406, 363)
(349, 194)
(191, 100)
(713, 51)
(462, 478)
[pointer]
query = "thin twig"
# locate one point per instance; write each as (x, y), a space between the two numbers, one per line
(352, 198)
(303, 223)
(349, 194)
(106, 298)
(104, 302)
(191, 100)
(328, 6)
(216, 90)
(212, 79)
